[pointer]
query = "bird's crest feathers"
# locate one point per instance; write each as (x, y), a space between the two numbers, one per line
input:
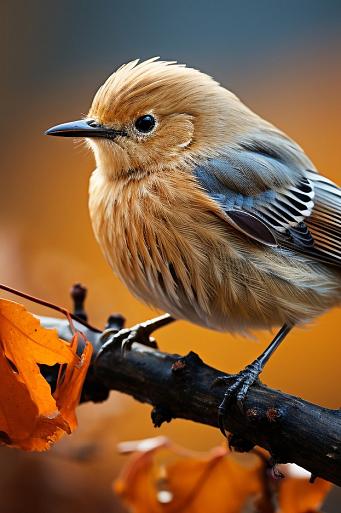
(149, 83)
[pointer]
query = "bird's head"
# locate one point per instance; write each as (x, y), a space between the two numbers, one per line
(154, 115)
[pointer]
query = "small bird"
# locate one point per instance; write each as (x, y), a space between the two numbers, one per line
(207, 211)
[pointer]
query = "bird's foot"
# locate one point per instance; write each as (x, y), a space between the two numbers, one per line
(140, 333)
(237, 389)
(127, 336)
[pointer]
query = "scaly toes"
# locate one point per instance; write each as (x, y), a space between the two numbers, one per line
(229, 392)
(142, 335)
(223, 380)
(138, 334)
(128, 342)
(221, 415)
(237, 390)
(244, 386)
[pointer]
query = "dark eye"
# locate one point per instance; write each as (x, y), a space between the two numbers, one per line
(145, 124)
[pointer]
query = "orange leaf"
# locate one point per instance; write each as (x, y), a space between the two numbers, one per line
(297, 495)
(68, 392)
(170, 479)
(162, 477)
(30, 417)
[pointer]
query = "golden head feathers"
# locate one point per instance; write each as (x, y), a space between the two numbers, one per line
(153, 84)
(189, 108)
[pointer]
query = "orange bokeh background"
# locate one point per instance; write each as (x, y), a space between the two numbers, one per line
(47, 243)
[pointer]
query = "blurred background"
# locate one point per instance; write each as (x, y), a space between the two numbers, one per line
(282, 59)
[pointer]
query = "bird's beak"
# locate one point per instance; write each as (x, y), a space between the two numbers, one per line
(84, 128)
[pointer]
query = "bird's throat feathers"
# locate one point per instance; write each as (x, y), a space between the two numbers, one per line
(112, 161)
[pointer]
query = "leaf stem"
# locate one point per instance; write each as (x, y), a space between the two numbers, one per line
(42, 302)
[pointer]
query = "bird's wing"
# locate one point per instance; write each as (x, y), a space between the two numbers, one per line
(303, 214)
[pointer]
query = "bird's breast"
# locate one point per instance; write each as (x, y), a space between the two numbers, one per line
(161, 237)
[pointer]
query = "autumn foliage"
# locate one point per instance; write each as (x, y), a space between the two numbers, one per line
(164, 478)
(31, 416)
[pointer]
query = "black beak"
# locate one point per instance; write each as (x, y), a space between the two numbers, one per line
(84, 128)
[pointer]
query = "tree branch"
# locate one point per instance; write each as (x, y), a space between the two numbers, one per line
(291, 429)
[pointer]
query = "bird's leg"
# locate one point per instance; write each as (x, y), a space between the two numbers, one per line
(242, 381)
(138, 333)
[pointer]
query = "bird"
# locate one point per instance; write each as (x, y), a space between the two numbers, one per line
(207, 211)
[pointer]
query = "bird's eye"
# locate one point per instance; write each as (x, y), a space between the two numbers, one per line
(145, 124)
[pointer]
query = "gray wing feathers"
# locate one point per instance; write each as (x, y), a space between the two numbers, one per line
(301, 210)
(249, 173)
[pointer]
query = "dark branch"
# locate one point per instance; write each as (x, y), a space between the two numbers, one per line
(291, 429)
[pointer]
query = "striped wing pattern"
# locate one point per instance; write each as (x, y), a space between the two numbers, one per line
(305, 217)
(325, 221)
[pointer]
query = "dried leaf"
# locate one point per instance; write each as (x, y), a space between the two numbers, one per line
(168, 478)
(298, 495)
(162, 477)
(68, 392)
(30, 416)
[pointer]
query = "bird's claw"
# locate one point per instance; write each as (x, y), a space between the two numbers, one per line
(139, 333)
(237, 390)
(125, 338)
